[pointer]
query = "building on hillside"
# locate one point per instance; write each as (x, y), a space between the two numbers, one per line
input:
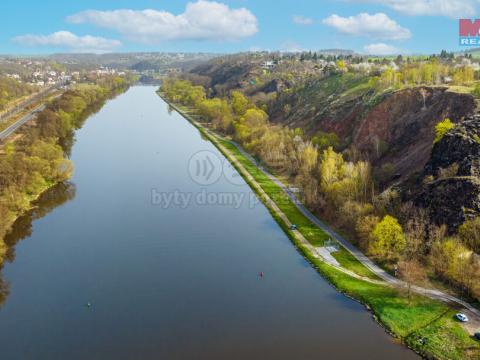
(268, 65)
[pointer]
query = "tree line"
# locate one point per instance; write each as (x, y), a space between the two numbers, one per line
(38, 158)
(396, 234)
(11, 89)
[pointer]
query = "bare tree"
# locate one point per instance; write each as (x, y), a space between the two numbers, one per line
(412, 272)
(424, 94)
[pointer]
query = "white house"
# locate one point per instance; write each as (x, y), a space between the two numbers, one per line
(268, 65)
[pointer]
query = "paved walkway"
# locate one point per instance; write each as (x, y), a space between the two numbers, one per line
(327, 256)
(24, 119)
(470, 310)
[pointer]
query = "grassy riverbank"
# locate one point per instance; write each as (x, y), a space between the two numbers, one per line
(425, 325)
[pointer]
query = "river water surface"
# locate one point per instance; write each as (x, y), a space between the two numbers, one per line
(166, 282)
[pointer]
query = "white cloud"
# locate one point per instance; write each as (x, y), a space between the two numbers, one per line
(380, 49)
(202, 20)
(302, 20)
(450, 8)
(378, 26)
(65, 39)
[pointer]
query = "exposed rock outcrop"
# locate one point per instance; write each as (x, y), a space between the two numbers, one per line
(404, 125)
(449, 186)
(395, 128)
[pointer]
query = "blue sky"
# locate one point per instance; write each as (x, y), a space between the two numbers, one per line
(366, 26)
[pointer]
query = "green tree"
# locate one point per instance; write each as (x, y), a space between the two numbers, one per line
(388, 238)
(324, 140)
(307, 156)
(463, 75)
(331, 173)
(342, 66)
(453, 261)
(364, 230)
(469, 232)
(476, 91)
(240, 103)
(218, 112)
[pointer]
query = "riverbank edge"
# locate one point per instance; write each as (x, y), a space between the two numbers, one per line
(332, 275)
(34, 197)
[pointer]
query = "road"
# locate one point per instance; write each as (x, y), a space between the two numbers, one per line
(24, 119)
(32, 100)
(472, 312)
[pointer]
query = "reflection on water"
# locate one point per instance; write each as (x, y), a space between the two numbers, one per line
(52, 198)
(4, 290)
(165, 283)
(22, 228)
(68, 140)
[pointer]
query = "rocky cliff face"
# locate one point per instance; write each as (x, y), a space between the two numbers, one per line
(449, 186)
(403, 126)
(395, 128)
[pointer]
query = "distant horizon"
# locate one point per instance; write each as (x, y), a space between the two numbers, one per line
(353, 52)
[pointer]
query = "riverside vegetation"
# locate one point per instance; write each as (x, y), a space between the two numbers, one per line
(396, 235)
(11, 89)
(38, 158)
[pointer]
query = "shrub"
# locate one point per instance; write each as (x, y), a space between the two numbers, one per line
(442, 128)
(469, 232)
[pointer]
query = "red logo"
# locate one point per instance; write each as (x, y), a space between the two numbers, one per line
(469, 27)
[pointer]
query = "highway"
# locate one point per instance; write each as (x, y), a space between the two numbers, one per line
(24, 119)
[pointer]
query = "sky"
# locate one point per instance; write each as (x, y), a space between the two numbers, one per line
(366, 26)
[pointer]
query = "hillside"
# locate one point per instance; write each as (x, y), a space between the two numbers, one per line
(371, 145)
(392, 127)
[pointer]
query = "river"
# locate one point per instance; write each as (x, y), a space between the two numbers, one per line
(137, 258)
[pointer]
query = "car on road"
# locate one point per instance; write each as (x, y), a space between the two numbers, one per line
(461, 317)
(293, 227)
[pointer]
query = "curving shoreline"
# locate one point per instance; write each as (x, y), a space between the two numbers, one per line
(420, 338)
